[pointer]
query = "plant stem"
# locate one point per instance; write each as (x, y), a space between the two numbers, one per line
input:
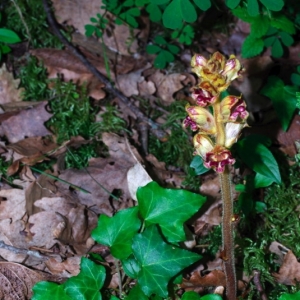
(227, 235)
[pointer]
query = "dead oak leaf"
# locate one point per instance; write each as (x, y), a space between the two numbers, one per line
(9, 91)
(27, 123)
(289, 272)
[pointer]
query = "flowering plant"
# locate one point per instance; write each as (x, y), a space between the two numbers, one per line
(218, 123)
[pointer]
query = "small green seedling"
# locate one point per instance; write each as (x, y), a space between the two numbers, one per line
(165, 52)
(185, 34)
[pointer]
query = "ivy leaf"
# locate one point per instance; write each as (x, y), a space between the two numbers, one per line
(197, 165)
(45, 290)
(172, 17)
(137, 294)
(275, 5)
(117, 231)
(159, 261)
(190, 296)
(159, 206)
(131, 267)
(253, 8)
(232, 4)
(252, 46)
(203, 4)
(8, 36)
(283, 98)
(87, 284)
(258, 157)
(188, 11)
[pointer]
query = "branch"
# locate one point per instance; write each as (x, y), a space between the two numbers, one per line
(154, 127)
(23, 251)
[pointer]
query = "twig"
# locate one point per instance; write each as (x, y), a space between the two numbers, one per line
(154, 127)
(22, 251)
(256, 280)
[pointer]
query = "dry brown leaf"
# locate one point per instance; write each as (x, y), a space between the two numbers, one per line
(167, 85)
(16, 281)
(27, 123)
(67, 268)
(214, 278)
(14, 207)
(9, 91)
(289, 272)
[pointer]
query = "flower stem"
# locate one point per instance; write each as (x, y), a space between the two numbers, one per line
(227, 235)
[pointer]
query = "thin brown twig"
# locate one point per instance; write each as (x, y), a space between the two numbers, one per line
(256, 280)
(154, 127)
(23, 251)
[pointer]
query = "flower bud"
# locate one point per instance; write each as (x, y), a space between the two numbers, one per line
(232, 69)
(218, 158)
(202, 144)
(233, 109)
(232, 133)
(205, 94)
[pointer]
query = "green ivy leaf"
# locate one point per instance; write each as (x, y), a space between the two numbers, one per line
(159, 261)
(136, 293)
(197, 165)
(253, 8)
(172, 15)
(8, 36)
(252, 46)
(117, 231)
(131, 267)
(281, 22)
(159, 205)
(277, 50)
(283, 98)
(275, 5)
(260, 26)
(203, 4)
(258, 157)
(287, 296)
(232, 4)
(87, 284)
(188, 12)
(45, 290)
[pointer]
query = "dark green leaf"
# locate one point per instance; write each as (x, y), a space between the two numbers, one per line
(188, 12)
(277, 50)
(260, 26)
(117, 231)
(160, 40)
(169, 57)
(295, 78)
(160, 2)
(190, 296)
(203, 4)
(211, 297)
(154, 12)
(242, 14)
(152, 49)
(253, 8)
(45, 290)
(269, 41)
(275, 5)
(232, 4)
(93, 20)
(89, 29)
(131, 267)
(252, 47)
(159, 261)
(197, 164)
(259, 158)
(174, 49)
(159, 206)
(136, 294)
(4, 49)
(287, 296)
(246, 203)
(87, 284)
(281, 22)
(8, 36)
(160, 61)
(286, 39)
(283, 98)
(260, 207)
(262, 181)
(172, 15)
